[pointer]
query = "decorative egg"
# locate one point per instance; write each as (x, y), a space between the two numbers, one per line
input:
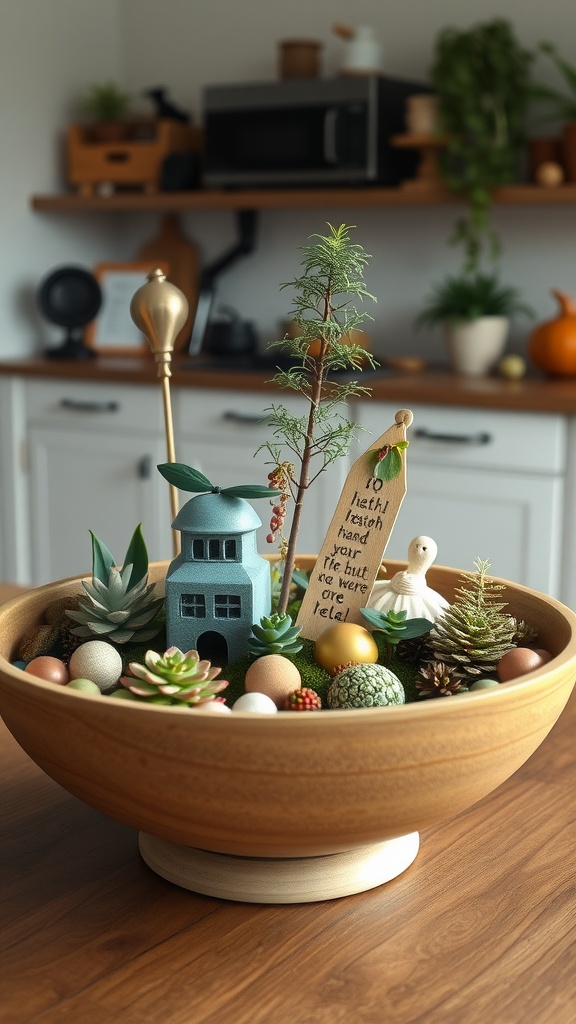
(343, 643)
(520, 660)
(273, 675)
(51, 670)
(98, 661)
(211, 707)
(484, 684)
(83, 686)
(256, 704)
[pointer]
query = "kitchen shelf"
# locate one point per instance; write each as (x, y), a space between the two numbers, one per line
(295, 198)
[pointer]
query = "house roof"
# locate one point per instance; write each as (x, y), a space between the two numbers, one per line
(216, 514)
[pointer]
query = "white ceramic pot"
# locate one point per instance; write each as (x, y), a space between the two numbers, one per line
(475, 346)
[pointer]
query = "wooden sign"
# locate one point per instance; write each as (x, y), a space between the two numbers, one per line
(343, 577)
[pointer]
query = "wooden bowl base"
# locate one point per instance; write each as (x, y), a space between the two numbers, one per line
(286, 880)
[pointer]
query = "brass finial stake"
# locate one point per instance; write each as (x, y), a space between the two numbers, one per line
(160, 310)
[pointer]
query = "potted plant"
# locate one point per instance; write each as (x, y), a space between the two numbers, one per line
(562, 105)
(481, 76)
(475, 312)
(106, 105)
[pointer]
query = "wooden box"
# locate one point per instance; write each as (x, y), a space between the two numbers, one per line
(136, 162)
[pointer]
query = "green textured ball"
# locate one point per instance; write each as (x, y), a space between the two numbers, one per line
(365, 686)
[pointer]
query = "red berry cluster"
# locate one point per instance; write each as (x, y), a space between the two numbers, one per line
(279, 480)
(302, 700)
(340, 668)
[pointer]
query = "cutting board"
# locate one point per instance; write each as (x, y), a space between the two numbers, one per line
(172, 247)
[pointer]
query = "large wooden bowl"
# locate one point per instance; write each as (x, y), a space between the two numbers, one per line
(292, 785)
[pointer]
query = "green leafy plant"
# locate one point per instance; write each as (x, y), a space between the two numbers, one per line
(174, 677)
(469, 297)
(274, 635)
(119, 604)
(105, 102)
(561, 104)
(188, 479)
(325, 312)
(482, 79)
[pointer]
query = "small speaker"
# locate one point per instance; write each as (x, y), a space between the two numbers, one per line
(70, 297)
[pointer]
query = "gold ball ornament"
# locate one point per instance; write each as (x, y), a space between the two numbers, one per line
(345, 642)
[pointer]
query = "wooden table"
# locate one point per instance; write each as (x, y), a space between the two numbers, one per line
(481, 928)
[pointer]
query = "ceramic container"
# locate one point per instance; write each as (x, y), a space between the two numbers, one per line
(475, 346)
(328, 803)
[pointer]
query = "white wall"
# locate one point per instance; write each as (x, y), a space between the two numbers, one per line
(194, 43)
(50, 50)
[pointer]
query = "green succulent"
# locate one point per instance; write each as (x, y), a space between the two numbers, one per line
(174, 677)
(365, 686)
(396, 626)
(119, 606)
(274, 635)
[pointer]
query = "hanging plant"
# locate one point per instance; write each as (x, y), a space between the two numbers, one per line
(482, 78)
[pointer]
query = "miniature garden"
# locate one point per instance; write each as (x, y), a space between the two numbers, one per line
(234, 631)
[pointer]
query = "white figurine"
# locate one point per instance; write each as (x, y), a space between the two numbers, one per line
(407, 590)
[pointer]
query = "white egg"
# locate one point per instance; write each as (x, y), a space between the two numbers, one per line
(98, 661)
(256, 703)
(211, 707)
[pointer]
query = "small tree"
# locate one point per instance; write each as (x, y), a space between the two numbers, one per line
(325, 314)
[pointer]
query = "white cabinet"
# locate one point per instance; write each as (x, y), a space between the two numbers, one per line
(92, 456)
(219, 432)
(486, 484)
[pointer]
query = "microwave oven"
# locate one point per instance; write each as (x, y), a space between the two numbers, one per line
(307, 132)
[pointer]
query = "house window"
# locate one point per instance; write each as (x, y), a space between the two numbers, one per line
(214, 550)
(226, 606)
(230, 549)
(199, 549)
(193, 606)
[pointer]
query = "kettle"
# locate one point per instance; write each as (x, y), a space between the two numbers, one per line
(228, 335)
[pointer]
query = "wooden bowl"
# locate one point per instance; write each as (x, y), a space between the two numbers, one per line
(292, 785)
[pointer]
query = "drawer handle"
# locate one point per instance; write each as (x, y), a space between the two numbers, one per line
(75, 405)
(430, 435)
(242, 417)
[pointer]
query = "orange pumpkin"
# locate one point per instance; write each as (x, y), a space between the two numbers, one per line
(552, 345)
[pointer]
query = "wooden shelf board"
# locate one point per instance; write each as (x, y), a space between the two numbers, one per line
(275, 199)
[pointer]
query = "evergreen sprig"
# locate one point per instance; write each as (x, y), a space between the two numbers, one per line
(325, 312)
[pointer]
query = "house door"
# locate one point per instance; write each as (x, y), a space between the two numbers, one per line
(212, 646)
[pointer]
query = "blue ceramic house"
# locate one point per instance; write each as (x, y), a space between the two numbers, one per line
(218, 586)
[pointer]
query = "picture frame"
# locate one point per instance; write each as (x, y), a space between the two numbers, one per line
(113, 332)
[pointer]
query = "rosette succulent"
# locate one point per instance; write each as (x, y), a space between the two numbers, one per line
(274, 635)
(365, 686)
(119, 605)
(174, 677)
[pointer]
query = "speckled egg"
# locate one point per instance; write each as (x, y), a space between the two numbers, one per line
(51, 670)
(98, 661)
(256, 704)
(520, 660)
(343, 643)
(273, 675)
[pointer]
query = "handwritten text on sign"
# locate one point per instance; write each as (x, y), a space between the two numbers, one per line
(350, 557)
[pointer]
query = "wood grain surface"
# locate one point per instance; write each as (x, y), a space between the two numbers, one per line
(481, 928)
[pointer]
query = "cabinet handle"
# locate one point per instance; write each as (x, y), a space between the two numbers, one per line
(242, 417)
(145, 467)
(76, 405)
(430, 435)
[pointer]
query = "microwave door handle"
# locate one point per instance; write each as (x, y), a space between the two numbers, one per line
(330, 123)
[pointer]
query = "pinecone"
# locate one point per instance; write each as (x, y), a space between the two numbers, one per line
(436, 679)
(524, 635)
(173, 678)
(473, 633)
(302, 700)
(274, 635)
(117, 611)
(412, 651)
